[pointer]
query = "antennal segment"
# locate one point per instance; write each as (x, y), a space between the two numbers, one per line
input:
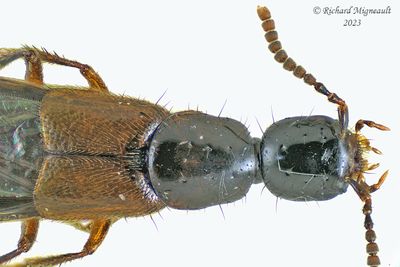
(275, 46)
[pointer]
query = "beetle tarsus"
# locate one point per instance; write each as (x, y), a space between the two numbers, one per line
(29, 230)
(99, 229)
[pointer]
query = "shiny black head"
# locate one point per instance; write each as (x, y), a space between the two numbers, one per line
(305, 158)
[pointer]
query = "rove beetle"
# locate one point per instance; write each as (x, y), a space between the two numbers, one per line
(76, 154)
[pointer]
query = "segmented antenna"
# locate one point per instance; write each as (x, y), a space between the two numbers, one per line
(362, 189)
(275, 47)
(289, 64)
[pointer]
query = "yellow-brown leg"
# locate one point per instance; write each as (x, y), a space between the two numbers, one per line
(365, 190)
(8, 55)
(34, 69)
(29, 231)
(360, 124)
(94, 80)
(98, 232)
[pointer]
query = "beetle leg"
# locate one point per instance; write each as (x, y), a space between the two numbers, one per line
(34, 68)
(94, 80)
(374, 187)
(289, 64)
(98, 232)
(8, 55)
(29, 229)
(360, 124)
(364, 190)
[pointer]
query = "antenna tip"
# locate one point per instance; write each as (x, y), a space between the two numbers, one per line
(263, 12)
